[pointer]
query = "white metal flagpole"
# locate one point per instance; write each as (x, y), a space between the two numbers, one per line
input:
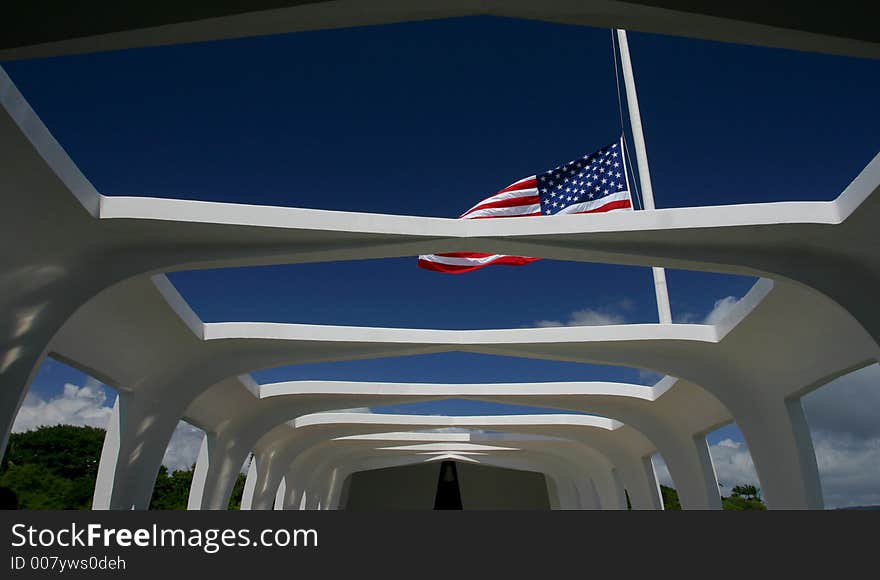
(635, 119)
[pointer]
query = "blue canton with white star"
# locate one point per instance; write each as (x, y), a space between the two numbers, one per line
(585, 180)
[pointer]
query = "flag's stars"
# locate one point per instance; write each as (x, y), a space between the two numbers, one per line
(587, 178)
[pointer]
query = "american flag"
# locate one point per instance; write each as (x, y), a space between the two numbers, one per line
(594, 183)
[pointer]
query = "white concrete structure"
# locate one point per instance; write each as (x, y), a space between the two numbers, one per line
(84, 284)
(600, 451)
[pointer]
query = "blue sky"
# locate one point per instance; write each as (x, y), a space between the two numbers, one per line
(427, 118)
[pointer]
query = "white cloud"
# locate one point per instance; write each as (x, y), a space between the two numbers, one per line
(649, 377)
(719, 312)
(591, 316)
(733, 466)
(686, 318)
(721, 309)
(661, 470)
(613, 314)
(729, 443)
(843, 419)
(849, 469)
(183, 449)
(91, 405)
(847, 405)
(86, 405)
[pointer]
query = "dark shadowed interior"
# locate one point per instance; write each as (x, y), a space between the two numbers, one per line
(416, 487)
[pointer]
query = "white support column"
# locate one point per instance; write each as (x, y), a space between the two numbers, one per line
(333, 488)
(568, 496)
(586, 474)
(641, 484)
(200, 473)
(692, 471)
(552, 493)
(270, 473)
(250, 484)
(619, 489)
(18, 365)
(313, 498)
(779, 441)
(293, 490)
(222, 461)
(710, 477)
(134, 445)
(280, 495)
(339, 497)
(292, 497)
(588, 494)
(655, 497)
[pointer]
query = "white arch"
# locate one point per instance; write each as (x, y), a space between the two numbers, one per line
(56, 297)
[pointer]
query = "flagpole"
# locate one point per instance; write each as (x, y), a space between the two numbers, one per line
(635, 118)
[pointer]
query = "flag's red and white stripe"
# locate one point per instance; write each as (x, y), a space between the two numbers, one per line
(518, 199)
(619, 200)
(461, 262)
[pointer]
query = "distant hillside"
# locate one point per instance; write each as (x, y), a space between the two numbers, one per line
(741, 498)
(54, 468)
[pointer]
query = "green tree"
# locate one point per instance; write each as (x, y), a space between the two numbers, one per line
(53, 467)
(56, 468)
(740, 503)
(67, 451)
(747, 491)
(670, 498)
(237, 493)
(171, 490)
(742, 498)
(38, 488)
